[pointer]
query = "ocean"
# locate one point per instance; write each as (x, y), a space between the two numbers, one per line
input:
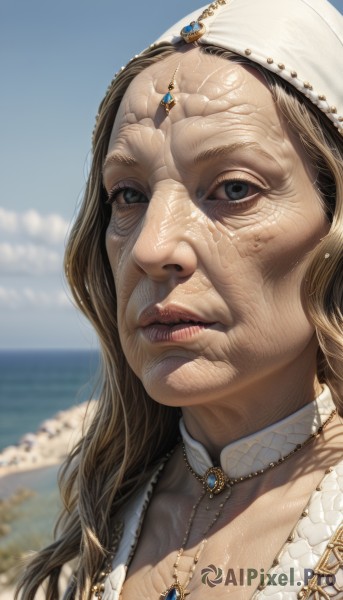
(36, 384)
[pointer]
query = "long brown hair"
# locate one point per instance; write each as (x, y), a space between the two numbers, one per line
(130, 432)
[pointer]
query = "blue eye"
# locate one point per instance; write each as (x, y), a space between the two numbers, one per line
(236, 190)
(126, 195)
(132, 196)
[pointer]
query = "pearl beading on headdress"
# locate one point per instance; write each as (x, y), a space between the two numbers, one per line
(305, 87)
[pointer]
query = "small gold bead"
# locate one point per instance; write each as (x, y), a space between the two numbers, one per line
(331, 546)
(318, 488)
(322, 98)
(294, 74)
(329, 470)
(281, 66)
(270, 61)
(304, 513)
(261, 586)
(290, 538)
(340, 119)
(307, 85)
(247, 52)
(333, 109)
(275, 562)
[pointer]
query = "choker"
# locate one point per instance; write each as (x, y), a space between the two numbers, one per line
(270, 445)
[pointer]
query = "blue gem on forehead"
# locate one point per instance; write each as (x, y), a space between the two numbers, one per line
(167, 98)
(168, 101)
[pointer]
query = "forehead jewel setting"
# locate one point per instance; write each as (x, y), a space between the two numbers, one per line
(168, 100)
(196, 29)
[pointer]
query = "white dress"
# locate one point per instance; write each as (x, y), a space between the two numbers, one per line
(317, 540)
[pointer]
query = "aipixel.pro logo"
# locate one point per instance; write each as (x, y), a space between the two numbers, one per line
(213, 576)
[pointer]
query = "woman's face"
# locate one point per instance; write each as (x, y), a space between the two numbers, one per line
(214, 213)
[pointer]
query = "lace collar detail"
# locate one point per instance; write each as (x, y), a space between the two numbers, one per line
(257, 450)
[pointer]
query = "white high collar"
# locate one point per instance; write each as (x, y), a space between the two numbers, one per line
(258, 450)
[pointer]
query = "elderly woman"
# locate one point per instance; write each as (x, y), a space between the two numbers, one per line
(208, 256)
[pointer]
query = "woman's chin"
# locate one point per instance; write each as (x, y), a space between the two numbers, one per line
(180, 381)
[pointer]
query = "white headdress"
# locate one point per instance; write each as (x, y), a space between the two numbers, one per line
(300, 40)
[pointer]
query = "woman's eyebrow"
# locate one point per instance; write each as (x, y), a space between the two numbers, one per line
(119, 159)
(228, 149)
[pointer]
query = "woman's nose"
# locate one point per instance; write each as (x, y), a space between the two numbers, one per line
(163, 248)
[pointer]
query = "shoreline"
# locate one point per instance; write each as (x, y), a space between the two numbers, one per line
(29, 471)
(49, 445)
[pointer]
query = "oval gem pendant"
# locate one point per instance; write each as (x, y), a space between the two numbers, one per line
(214, 480)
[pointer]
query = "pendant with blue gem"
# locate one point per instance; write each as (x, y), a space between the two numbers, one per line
(175, 592)
(168, 101)
(214, 481)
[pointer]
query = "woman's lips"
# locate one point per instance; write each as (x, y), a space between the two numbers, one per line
(180, 332)
(171, 324)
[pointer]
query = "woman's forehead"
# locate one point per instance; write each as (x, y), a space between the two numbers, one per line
(202, 82)
(215, 98)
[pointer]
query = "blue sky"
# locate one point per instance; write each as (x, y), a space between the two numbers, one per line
(56, 60)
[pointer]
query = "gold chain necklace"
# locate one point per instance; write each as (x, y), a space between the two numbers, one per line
(214, 481)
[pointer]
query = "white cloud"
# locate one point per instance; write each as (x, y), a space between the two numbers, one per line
(20, 259)
(29, 298)
(50, 229)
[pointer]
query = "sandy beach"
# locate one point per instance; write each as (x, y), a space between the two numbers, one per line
(49, 445)
(33, 464)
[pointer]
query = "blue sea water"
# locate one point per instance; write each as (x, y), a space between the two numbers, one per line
(36, 384)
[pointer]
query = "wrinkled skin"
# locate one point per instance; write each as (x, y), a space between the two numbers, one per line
(234, 254)
(178, 237)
